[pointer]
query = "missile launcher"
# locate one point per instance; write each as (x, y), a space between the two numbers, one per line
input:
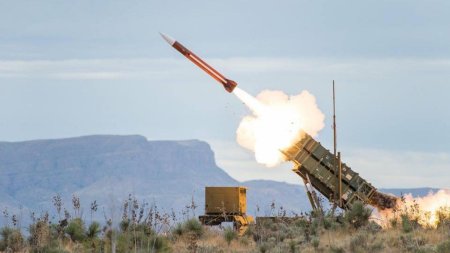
(319, 167)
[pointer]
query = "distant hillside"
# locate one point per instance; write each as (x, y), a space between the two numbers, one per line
(107, 168)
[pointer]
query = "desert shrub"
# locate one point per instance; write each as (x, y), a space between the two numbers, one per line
(244, 240)
(140, 236)
(229, 235)
(124, 225)
(209, 249)
(40, 236)
(301, 223)
(443, 217)
(5, 233)
(376, 247)
(336, 249)
(278, 229)
(393, 222)
(49, 249)
(328, 223)
(372, 227)
(76, 230)
(443, 247)
(193, 226)
(15, 240)
(124, 243)
(315, 242)
(93, 230)
(178, 229)
(159, 243)
(358, 215)
(406, 223)
(408, 242)
(359, 243)
(314, 227)
(12, 239)
(292, 246)
(264, 247)
(52, 246)
(250, 230)
(425, 249)
(93, 245)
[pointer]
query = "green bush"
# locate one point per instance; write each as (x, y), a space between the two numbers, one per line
(264, 247)
(5, 233)
(178, 229)
(124, 225)
(93, 230)
(76, 230)
(301, 223)
(443, 247)
(330, 223)
(194, 226)
(292, 246)
(406, 223)
(229, 234)
(358, 215)
(393, 222)
(315, 242)
(159, 243)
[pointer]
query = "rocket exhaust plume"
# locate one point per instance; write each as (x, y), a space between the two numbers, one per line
(428, 211)
(276, 122)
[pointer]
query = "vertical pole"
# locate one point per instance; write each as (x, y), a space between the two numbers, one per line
(334, 142)
(334, 121)
(340, 179)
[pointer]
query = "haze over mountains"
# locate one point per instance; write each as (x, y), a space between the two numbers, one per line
(108, 168)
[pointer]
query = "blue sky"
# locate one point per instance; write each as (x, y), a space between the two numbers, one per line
(71, 68)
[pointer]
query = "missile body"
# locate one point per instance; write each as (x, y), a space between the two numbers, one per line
(228, 84)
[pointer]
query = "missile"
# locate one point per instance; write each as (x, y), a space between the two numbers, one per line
(228, 84)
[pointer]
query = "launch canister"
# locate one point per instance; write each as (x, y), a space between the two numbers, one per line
(228, 84)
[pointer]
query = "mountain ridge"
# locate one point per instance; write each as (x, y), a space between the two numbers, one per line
(107, 168)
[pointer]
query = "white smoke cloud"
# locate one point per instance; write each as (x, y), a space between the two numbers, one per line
(276, 122)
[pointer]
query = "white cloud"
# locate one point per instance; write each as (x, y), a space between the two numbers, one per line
(146, 68)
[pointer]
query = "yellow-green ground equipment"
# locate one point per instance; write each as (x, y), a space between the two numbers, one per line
(226, 204)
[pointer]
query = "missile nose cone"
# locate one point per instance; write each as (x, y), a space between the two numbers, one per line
(167, 38)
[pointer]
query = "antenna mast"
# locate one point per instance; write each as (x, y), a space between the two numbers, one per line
(334, 121)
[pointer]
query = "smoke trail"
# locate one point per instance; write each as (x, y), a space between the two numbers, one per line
(276, 121)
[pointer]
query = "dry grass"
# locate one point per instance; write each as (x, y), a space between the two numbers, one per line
(147, 230)
(213, 241)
